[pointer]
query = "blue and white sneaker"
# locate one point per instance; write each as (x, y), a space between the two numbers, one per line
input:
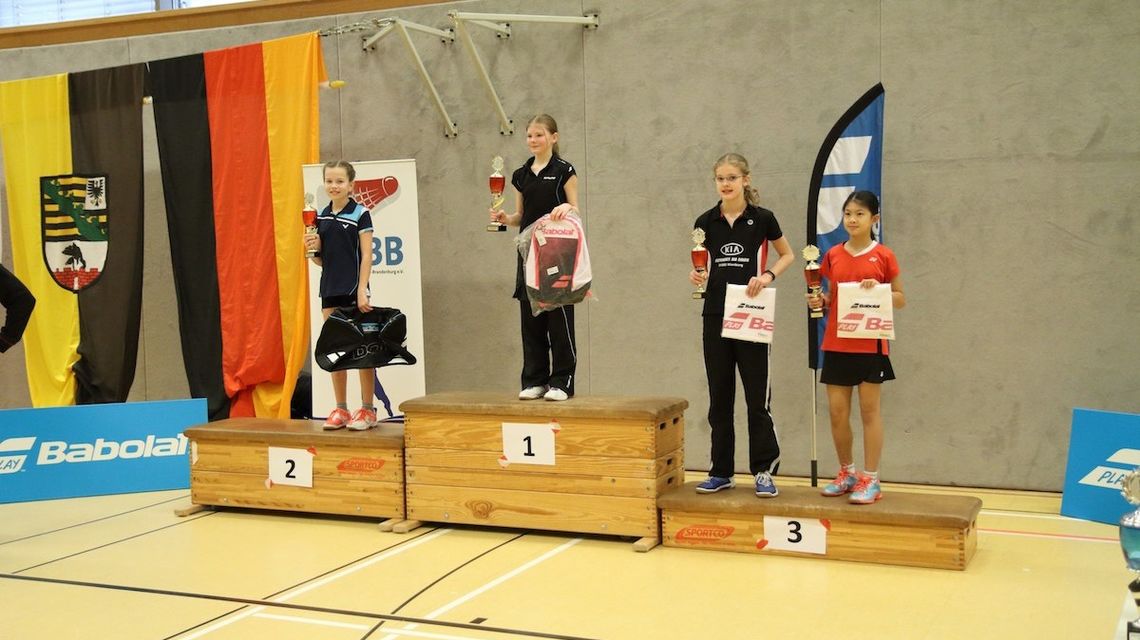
(712, 484)
(866, 491)
(843, 483)
(765, 488)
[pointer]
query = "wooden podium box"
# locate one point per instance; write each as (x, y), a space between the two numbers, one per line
(901, 529)
(358, 473)
(601, 471)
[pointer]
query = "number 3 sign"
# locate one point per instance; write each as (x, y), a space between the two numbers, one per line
(804, 535)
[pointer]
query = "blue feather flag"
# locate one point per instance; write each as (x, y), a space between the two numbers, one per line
(850, 159)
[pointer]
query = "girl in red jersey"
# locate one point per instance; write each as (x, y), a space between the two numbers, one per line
(857, 362)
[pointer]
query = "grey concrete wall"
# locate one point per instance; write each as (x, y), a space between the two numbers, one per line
(1010, 154)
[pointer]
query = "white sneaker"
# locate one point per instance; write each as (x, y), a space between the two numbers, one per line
(532, 393)
(556, 395)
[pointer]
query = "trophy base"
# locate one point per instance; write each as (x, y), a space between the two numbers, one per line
(310, 254)
(698, 295)
(496, 226)
(815, 315)
(1132, 631)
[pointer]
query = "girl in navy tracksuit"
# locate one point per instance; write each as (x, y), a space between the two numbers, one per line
(344, 252)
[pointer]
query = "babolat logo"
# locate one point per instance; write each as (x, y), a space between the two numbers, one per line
(864, 305)
(13, 453)
(58, 451)
(1113, 477)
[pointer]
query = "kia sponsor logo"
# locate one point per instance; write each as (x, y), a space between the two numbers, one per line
(732, 249)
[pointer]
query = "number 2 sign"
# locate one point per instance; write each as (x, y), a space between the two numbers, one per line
(291, 466)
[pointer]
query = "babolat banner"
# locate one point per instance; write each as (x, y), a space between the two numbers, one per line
(91, 450)
(1103, 447)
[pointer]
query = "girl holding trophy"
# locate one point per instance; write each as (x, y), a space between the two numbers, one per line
(342, 247)
(856, 362)
(736, 233)
(545, 184)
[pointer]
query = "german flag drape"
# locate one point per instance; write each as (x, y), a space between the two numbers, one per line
(234, 127)
(73, 169)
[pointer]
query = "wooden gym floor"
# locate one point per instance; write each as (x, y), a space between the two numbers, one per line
(126, 567)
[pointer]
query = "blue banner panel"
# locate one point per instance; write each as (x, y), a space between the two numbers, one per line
(97, 449)
(1103, 447)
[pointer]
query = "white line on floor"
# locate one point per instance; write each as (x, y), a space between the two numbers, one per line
(324, 623)
(359, 627)
(1050, 536)
(490, 585)
(285, 597)
(1022, 514)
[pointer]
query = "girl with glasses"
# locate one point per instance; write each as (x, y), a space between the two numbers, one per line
(737, 234)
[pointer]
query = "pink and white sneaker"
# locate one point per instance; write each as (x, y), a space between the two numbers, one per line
(362, 420)
(338, 419)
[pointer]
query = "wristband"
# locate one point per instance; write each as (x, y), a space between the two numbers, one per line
(771, 273)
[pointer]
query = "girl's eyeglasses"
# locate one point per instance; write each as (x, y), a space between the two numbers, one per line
(727, 179)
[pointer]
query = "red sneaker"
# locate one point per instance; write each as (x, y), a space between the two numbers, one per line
(338, 419)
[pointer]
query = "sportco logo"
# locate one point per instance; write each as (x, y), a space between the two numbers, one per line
(1113, 477)
(704, 533)
(15, 451)
(360, 465)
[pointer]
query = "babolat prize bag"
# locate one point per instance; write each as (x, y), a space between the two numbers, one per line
(352, 339)
(556, 262)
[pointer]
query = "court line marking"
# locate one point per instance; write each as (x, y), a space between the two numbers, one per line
(292, 593)
(393, 634)
(361, 627)
(1049, 536)
(93, 521)
(294, 607)
(323, 623)
(186, 520)
(1023, 514)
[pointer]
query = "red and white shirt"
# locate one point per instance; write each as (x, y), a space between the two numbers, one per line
(840, 265)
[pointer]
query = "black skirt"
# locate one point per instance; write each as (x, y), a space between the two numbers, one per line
(853, 369)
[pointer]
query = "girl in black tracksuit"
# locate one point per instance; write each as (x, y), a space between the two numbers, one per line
(737, 232)
(545, 184)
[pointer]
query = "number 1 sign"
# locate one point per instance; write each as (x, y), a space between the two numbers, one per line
(528, 443)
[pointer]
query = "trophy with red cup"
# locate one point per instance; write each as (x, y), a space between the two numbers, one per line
(309, 217)
(813, 276)
(700, 257)
(497, 183)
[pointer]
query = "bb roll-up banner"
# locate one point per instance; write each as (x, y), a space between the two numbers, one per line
(388, 190)
(850, 159)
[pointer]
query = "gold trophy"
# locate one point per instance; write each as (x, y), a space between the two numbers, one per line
(309, 218)
(813, 276)
(497, 183)
(700, 257)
